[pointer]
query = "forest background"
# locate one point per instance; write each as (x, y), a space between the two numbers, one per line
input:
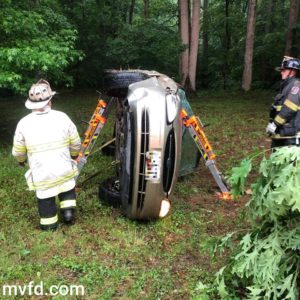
(228, 44)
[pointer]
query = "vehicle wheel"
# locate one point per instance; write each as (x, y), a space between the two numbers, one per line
(116, 82)
(109, 192)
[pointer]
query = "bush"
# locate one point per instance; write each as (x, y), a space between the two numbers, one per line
(266, 263)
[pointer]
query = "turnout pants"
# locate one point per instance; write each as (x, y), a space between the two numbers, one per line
(283, 142)
(48, 210)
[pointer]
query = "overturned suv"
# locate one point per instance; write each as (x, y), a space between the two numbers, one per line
(148, 142)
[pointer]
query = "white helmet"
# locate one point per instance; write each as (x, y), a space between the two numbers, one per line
(39, 94)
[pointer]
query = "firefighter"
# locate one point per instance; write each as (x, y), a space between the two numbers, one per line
(284, 125)
(48, 140)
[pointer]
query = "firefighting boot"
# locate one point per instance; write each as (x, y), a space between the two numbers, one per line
(68, 215)
(51, 227)
(48, 214)
(67, 205)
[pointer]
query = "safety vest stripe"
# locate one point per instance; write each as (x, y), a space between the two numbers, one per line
(68, 203)
(43, 185)
(279, 120)
(47, 147)
(291, 105)
(278, 107)
(74, 138)
(49, 221)
(59, 180)
(46, 144)
(19, 148)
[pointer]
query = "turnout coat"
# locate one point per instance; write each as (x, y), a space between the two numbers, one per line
(285, 111)
(48, 140)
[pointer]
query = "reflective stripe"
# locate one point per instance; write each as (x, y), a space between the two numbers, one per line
(278, 107)
(43, 185)
(291, 105)
(279, 120)
(17, 148)
(74, 153)
(47, 146)
(74, 138)
(67, 203)
(49, 221)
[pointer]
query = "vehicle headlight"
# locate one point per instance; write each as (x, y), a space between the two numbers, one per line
(172, 107)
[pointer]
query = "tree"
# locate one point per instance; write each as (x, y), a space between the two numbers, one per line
(189, 31)
(291, 31)
(185, 38)
(146, 9)
(195, 29)
(226, 42)
(131, 10)
(248, 58)
(205, 51)
(36, 40)
(269, 13)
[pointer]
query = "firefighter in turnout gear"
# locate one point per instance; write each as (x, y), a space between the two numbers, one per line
(284, 125)
(49, 141)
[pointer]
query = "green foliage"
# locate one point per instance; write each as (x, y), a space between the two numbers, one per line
(160, 44)
(110, 39)
(239, 176)
(223, 66)
(74, 41)
(36, 41)
(266, 263)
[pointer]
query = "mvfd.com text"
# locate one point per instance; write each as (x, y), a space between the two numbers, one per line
(32, 289)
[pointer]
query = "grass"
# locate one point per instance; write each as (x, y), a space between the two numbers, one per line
(110, 255)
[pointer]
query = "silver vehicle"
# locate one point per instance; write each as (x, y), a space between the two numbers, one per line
(153, 121)
(148, 141)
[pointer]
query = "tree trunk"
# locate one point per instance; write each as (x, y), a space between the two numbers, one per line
(204, 61)
(227, 42)
(269, 14)
(193, 57)
(248, 58)
(131, 9)
(291, 31)
(146, 9)
(184, 33)
(205, 28)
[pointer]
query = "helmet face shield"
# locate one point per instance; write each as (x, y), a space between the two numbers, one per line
(39, 95)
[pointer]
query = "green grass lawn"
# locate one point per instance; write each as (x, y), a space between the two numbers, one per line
(114, 257)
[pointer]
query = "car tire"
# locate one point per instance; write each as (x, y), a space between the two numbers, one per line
(108, 194)
(116, 82)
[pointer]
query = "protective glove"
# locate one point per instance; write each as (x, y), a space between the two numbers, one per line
(271, 128)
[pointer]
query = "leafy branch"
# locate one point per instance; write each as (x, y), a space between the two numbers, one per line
(266, 263)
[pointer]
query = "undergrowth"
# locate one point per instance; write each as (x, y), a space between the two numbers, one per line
(266, 262)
